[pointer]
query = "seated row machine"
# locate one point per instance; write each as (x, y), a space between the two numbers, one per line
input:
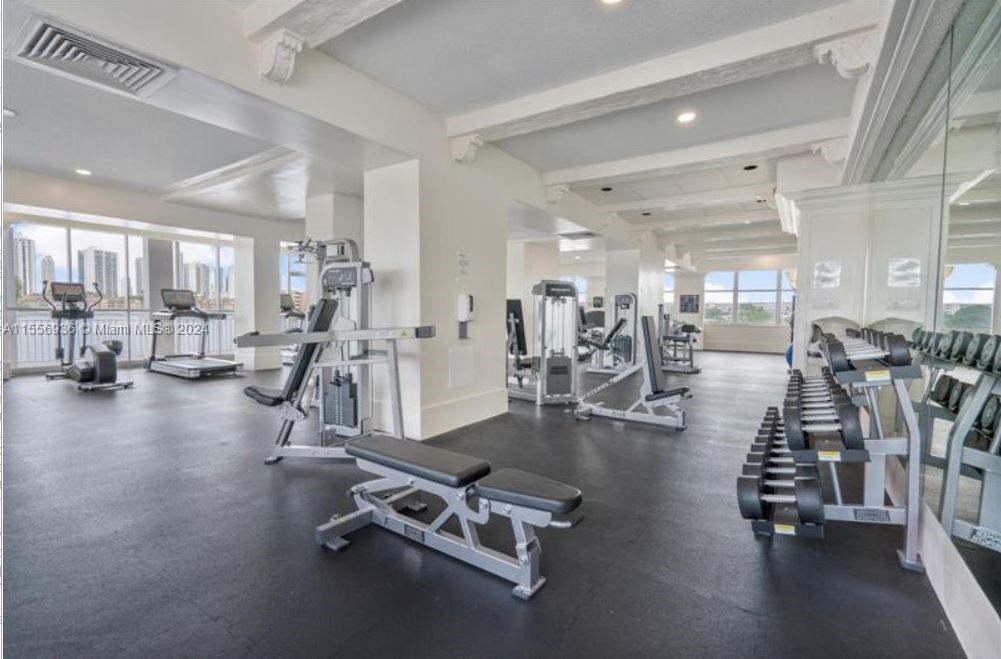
(408, 469)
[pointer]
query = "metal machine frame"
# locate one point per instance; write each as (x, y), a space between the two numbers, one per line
(652, 399)
(298, 408)
(672, 340)
(180, 303)
(292, 321)
(552, 377)
(624, 305)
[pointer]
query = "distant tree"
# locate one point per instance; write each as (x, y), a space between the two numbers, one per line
(970, 317)
(752, 313)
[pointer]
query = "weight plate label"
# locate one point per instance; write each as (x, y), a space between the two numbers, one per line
(829, 456)
(986, 538)
(414, 533)
(876, 376)
(872, 515)
(785, 529)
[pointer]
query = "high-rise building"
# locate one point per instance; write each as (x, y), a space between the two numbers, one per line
(100, 266)
(198, 278)
(24, 265)
(48, 268)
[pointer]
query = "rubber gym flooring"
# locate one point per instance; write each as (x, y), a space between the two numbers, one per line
(145, 522)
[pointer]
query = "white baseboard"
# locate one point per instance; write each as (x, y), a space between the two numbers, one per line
(449, 415)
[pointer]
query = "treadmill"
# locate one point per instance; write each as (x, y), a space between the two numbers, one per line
(180, 303)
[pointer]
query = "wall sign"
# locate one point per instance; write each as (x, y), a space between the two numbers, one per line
(903, 273)
(827, 274)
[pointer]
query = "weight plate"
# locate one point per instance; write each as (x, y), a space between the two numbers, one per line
(959, 345)
(899, 352)
(917, 335)
(794, 429)
(809, 500)
(851, 427)
(997, 359)
(943, 386)
(749, 497)
(837, 358)
(986, 359)
(945, 344)
(972, 353)
(955, 394)
(989, 415)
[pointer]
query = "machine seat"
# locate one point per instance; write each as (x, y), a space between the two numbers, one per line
(667, 393)
(434, 464)
(264, 395)
(522, 488)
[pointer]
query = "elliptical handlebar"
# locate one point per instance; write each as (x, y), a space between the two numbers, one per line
(100, 298)
(45, 294)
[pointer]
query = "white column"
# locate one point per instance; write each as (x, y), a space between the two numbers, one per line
(650, 275)
(392, 234)
(690, 283)
(257, 291)
(331, 216)
(542, 261)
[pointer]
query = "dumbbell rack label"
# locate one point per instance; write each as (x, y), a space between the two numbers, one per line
(829, 456)
(986, 538)
(784, 529)
(877, 515)
(872, 377)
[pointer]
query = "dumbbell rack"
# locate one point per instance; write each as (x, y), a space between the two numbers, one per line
(864, 381)
(940, 354)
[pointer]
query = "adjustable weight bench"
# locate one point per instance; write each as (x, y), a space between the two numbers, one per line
(407, 469)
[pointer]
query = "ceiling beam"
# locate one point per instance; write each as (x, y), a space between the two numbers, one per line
(315, 21)
(696, 236)
(762, 146)
(737, 243)
(706, 199)
(778, 47)
(259, 163)
(699, 222)
(739, 252)
(988, 228)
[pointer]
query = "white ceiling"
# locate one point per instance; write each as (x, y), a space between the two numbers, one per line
(458, 55)
(799, 96)
(62, 125)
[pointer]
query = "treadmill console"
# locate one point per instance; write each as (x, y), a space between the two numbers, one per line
(67, 292)
(178, 299)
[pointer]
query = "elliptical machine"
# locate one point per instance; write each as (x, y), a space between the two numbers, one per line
(98, 366)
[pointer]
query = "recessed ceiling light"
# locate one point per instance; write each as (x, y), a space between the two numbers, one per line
(606, 189)
(611, 2)
(964, 203)
(83, 172)
(750, 168)
(647, 214)
(7, 112)
(686, 117)
(747, 221)
(761, 200)
(576, 258)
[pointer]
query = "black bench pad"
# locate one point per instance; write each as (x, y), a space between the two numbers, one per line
(667, 393)
(522, 488)
(434, 464)
(264, 396)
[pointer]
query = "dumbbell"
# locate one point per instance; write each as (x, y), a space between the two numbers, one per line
(757, 499)
(843, 419)
(990, 416)
(988, 353)
(940, 391)
(956, 393)
(973, 348)
(929, 342)
(895, 352)
(917, 336)
(960, 343)
(944, 346)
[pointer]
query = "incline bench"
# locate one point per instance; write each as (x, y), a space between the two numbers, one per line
(412, 468)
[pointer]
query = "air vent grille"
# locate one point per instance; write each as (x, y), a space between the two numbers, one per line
(56, 47)
(578, 235)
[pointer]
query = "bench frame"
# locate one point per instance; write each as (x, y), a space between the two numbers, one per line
(378, 504)
(642, 410)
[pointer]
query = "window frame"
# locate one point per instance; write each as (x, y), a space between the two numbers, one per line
(993, 290)
(735, 290)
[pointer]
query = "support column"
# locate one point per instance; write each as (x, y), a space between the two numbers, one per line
(392, 232)
(333, 216)
(542, 261)
(690, 283)
(257, 291)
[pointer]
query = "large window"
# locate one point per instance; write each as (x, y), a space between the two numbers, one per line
(118, 263)
(580, 283)
(668, 297)
(968, 297)
(720, 291)
(292, 275)
(749, 297)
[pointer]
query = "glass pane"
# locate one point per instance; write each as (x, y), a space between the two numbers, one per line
(719, 307)
(668, 281)
(197, 272)
(789, 279)
(719, 281)
(756, 308)
(39, 255)
(970, 275)
(756, 280)
(786, 310)
(227, 278)
(138, 272)
(99, 258)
